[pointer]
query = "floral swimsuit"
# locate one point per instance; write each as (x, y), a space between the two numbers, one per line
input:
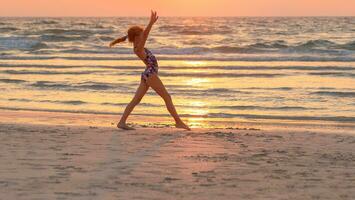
(152, 65)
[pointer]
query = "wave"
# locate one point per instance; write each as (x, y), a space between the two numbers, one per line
(75, 32)
(348, 46)
(21, 100)
(188, 31)
(188, 54)
(341, 74)
(62, 38)
(58, 31)
(21, 43)
(184, 57)
(74, 102)
(80, 24)
(284, 117)
(230, 70)
(279, 44)
(219, 90)
(229, 49)
(316, 43)
(60, 111)
(45, 22)
(273, 46)
(7, 29)
(98, 86)
(322, 47)
(76, 111)
(11, 57)
(56, 66)
(195, 29)
(340, 119)
(79, 102)
(215, 92)
(95, 86)
(47, 72)
(93, 51)
(335, 94)
(39, 46)
(115, 104)
(277, 88)
(220, 75)
(48, 84)
(12, 80)
(184, 54)
(125, 104)
(286, 108)
(77, 86)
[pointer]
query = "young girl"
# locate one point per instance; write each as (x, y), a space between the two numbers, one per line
(138, 37)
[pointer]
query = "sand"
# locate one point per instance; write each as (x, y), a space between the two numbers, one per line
(83, 162)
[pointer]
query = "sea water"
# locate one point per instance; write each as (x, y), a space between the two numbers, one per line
(219, 71)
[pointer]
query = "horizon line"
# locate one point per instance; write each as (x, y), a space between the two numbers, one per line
(178, 16)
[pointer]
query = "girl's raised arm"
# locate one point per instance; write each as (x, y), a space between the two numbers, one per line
(153, 19)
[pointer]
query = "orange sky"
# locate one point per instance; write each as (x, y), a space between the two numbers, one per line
(177, 7)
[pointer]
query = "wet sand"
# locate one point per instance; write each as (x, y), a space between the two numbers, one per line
(83, 162)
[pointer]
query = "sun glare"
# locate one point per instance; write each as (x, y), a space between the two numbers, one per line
(196, 81)
(195, 63)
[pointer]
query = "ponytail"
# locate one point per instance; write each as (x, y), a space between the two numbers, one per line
(118, 40)
(121, 39)
(124, 38)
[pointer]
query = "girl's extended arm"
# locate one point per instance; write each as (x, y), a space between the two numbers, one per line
(153, 19)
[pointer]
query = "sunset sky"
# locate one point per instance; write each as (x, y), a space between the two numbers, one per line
(178, 7)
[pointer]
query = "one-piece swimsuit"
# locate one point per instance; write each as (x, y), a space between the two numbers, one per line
(151, 63)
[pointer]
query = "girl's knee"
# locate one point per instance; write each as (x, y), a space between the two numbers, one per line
(167, 97)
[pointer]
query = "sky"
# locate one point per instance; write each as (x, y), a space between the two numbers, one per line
(56, 8)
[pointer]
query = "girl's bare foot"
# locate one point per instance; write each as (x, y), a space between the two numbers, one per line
(182, 125)
(124, 126)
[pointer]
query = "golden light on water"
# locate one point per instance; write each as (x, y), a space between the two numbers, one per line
(196, 81)
(197, 103)
(195, 122)
(195, 63)
(198, 111)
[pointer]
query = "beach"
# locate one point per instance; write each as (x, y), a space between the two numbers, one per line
(57, 161)
(270, 101)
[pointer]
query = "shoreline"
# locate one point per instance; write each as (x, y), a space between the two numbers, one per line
(140, 121)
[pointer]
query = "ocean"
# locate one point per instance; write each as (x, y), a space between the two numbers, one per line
(221, 72)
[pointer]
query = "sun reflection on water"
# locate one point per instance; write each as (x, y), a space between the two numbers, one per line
(196, 82)
(195, 63)
(198, 111)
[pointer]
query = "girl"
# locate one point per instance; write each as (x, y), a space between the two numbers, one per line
(149, 78)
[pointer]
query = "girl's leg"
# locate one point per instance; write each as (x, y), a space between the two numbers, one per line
(155, 82)
(142, 89)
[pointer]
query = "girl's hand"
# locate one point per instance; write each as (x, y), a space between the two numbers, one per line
(153, 17)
